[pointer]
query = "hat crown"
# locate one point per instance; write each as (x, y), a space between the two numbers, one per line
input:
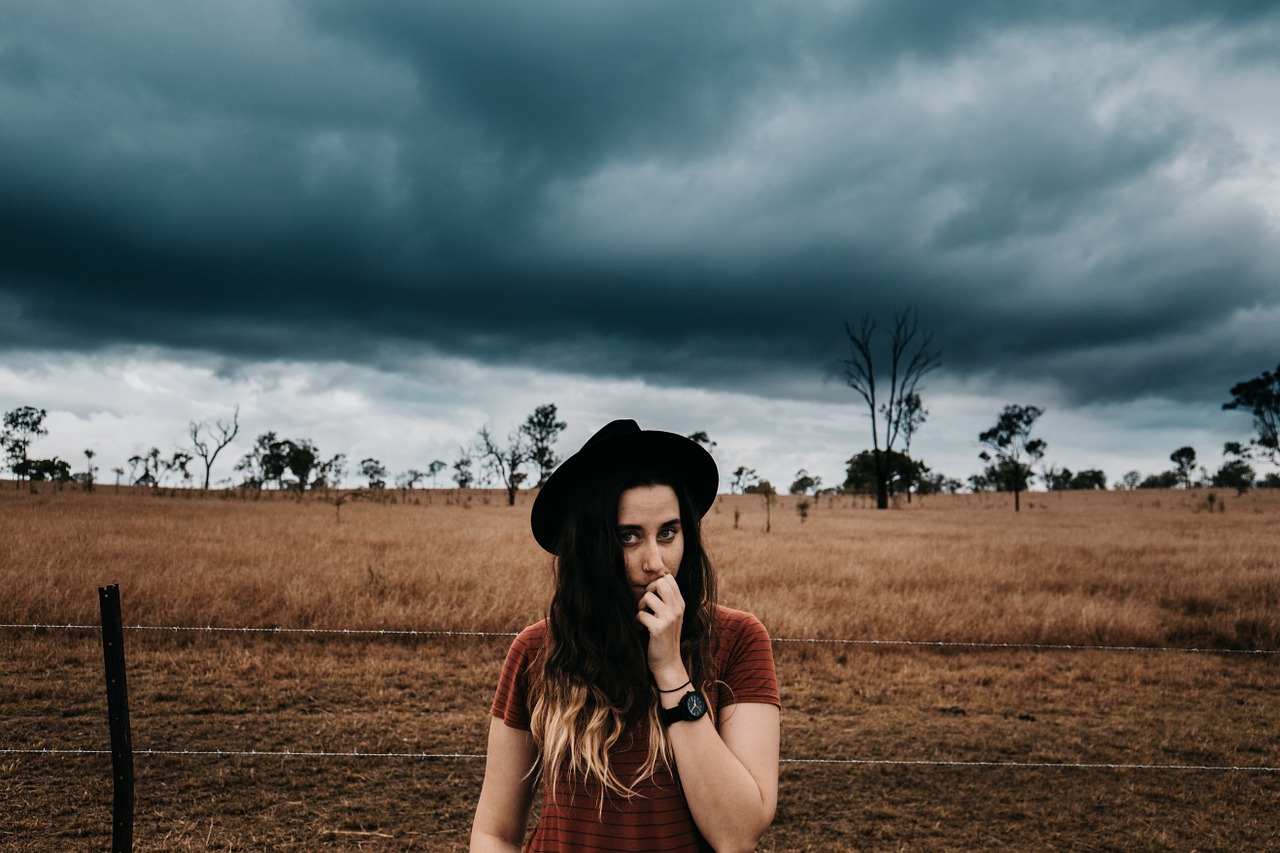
(613, 429)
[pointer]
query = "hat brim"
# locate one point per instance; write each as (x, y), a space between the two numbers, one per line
(688, 460)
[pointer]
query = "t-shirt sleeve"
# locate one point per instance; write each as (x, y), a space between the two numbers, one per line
(511, 702)
(749, 674)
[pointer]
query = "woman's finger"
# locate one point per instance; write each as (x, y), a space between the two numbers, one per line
(650, 602)
(668, 590)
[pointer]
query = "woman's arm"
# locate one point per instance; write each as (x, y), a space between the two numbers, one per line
(503, 810)
(730, 776)
(729, 770)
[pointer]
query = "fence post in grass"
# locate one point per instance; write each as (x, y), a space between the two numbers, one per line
(118, 717)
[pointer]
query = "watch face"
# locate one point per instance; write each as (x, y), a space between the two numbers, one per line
(695, 705)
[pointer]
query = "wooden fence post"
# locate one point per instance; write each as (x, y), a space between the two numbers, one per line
(118, 717)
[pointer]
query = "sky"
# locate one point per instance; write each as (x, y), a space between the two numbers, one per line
(382, 225)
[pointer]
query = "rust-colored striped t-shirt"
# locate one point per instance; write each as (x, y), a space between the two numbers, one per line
(657, 817)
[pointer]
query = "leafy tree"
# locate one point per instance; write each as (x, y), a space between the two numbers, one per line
(409, 479)
(55, 470)
(375, 472)
(1130, 480)
(1163, 480)
(263, 463)
(541, 429)
(768, 494)
(462, 476)
(1184, 460)
(1012, 450)
(329, 473)
(979, 483)
(300, 459)
(701, 437)
(1260, 397)
(177, 464)
(16, 459)
(913, 417)
(1062, 479)
(804, 483)
(743, 479)
(22, 426)
(208, 440)
(505, 462)
(1235, 474)
(433, 469)
(862, 476)
(119, 472)
(1089, 479)
(272, 457)
(935, 483)
(1057, 479)
(910, 357)
(90, 475)
(144, 469)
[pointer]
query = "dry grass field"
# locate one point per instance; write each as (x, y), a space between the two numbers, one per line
(1138, 569)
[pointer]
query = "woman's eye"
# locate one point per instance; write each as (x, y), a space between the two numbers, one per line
(626, 538)
(667, 534)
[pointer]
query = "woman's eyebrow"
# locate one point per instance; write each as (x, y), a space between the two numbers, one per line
(625, 528)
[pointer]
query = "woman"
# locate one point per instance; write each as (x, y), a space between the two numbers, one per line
(648, 713)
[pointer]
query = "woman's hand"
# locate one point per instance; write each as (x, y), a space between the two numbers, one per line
(661, 611)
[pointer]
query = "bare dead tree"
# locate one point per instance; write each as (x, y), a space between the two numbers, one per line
(505, 462)
(208, 440)
(911, 355)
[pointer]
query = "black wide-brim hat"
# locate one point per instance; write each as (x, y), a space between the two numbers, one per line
(619, 445)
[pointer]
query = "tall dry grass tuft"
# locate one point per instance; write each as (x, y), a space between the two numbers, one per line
(1145, 568)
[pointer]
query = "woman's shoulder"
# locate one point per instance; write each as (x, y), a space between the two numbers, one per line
(743, 659)
(533, 637)
(733, 622)
(535, 633)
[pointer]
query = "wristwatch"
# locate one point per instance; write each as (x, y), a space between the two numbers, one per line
(691, 707)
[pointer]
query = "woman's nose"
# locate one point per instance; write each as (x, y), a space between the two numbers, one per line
(653, 560)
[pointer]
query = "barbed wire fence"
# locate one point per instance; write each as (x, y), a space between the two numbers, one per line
(849, 762)
(122, 751)
(409, 632)
(823, 641)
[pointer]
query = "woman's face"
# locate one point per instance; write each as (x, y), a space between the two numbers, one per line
(650, 535)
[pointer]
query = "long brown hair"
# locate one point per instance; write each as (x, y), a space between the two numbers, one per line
(595, 676)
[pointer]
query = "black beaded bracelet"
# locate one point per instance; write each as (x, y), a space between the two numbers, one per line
(674, 689)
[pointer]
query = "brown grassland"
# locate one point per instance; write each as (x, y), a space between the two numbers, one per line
(1152, 569)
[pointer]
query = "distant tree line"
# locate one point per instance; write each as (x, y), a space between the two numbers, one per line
(888, 380)
(289, 464)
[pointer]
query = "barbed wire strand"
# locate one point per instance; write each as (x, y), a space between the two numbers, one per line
(1082, 647)
(214, 629)
(1054, 765)
(810, 640)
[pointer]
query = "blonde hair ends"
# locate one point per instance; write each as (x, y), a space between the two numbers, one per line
(575, 727)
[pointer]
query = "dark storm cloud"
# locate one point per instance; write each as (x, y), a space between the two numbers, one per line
(693, 194)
